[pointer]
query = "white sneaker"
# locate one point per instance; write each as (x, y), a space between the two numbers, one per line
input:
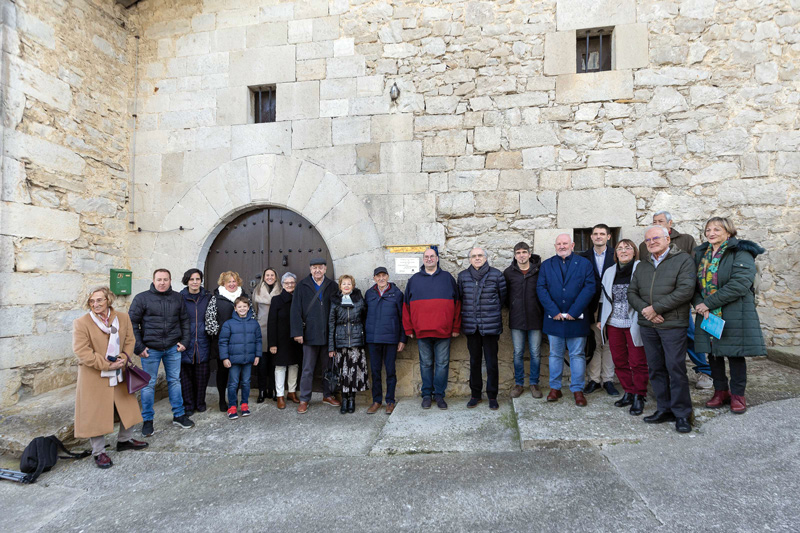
(704, 382)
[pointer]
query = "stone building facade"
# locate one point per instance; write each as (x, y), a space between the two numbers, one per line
(118, 119)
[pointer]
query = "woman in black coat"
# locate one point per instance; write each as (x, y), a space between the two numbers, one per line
(220, 309)
(346, 340)
(287, 354)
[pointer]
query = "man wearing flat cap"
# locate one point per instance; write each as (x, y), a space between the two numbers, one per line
(385, 336)
(309, 326)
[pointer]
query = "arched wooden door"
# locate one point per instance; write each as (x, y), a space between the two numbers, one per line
(266, 237)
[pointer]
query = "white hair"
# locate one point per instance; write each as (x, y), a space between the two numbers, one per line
(666, 214)
(485, 253)
(664, 230)
(567, 234)
(287, 276)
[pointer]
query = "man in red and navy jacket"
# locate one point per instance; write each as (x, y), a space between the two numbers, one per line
(432, 314)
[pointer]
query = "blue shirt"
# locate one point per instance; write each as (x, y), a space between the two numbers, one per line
(600, 260)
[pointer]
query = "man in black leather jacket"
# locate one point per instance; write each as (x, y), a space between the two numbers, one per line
(162, 329)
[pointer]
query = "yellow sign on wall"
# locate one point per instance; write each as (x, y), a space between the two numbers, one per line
(411, 249)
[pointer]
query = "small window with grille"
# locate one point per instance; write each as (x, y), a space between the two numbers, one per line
(262, 102)
(582, 237)
(593, 50)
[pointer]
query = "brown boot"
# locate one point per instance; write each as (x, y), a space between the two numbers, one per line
(580, 399)
(517, 391)
(281, 403)
(554, 395)
(738, 404)
(720, 398)
(293, 396)
(373, 408)
(302, 408)
(535, 392)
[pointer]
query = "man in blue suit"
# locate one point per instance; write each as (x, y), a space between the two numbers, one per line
(565, 288)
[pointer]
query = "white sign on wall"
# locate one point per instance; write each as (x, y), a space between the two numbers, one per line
(406, 265)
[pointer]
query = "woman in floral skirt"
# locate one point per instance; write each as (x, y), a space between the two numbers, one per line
(346, 340)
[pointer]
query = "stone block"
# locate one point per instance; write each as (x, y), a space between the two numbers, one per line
(446, 143)
(262, 66)
(267, 34)
(701, 95)
(613, 157)
(351, 130)
(192, 44)
(28, 289)
(335, 89)
(470, 162)
(594, 86)
(284, 175)
(312, 69)
(403, 156)
(474, 180)
(456, 204)
(408, 183)
(615, 207)
(630, 45)
(37, 256)
(533, 204)
(497, 202)
(346, 67)
(385, 208)
(441, 105)
(298, 100)
(261, 173)
(787, 164)
(368, 158)
(518, 180)
(486, 139)
(528, 99)
(533, 135)
(504, 160)
(438, 122)
(779, 141)
(10, 383)
(325, 28)
(370, 105)
(309, 178)
(666, 100)
(697, 9)
(300, 31)
(756, 165)
(43, 153)
(22, 220)
(715, 172)
(734, 141)
(391, 128)
(265, 138)
(312, 133)
(337, 159)
(735, 193)
(541, 157)
(182, 120)
(344, 47)
(233, 104)
(310, 9)
(625, 178)
(30, 80)
(15, 321)
(578, 15)
(348, 212)
(559, 53)
(314, 50)
(334, 108)
(588, 178)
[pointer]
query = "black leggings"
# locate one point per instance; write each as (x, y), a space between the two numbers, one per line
(738, 381)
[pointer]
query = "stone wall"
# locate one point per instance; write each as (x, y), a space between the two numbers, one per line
(67, 71)
(491, 141)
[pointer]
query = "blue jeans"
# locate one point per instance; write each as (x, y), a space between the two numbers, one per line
(434, 380)
(534, 337)
(172, 367)
(577, 361)
(238, 374)
(699, 359)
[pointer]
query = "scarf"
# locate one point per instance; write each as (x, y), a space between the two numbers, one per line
(623, 274)
(230, 295)
(347, 300)
(114, 376)
(707, 273)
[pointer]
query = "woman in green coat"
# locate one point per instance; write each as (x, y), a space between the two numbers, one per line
(726, 272)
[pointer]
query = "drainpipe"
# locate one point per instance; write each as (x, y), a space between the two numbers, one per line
(132, 192)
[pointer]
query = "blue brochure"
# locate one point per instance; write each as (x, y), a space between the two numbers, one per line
(713, 325)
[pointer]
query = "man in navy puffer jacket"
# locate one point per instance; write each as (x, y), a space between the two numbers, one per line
(385, 336)
(482, 290)
(240, 346)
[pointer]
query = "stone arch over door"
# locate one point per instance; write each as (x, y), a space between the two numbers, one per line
(256, 181)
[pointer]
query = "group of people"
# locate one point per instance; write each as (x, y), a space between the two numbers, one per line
(632, 304)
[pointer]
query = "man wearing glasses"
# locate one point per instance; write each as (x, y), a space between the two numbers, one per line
(660, 291)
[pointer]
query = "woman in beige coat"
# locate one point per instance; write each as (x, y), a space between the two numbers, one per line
(98, 337)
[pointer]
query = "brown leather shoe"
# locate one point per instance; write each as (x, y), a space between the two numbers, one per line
(103, 461)
(293, 396)
(554, 395)
(389, 408)
(738, 404)
(131, 445)
(302, 408)
(580, 399)
(720, 398)
(373, 408)
(517, 391)
(535, 392)
(331, 400)
(281, 403)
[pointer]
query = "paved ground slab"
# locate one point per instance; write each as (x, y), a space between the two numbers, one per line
(412, 429)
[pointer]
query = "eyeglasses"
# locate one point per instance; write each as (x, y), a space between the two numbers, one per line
(97, 301)
(654, 239)
(624, 249)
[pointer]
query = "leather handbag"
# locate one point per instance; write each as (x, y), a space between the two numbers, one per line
(331, 376)
(137, 378)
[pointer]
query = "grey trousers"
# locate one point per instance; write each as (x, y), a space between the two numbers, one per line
(99, 443)
(666, 360)
(311, 356)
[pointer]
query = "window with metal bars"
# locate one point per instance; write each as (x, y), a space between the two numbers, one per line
(582, 237)
(593, 51)
(263, 103)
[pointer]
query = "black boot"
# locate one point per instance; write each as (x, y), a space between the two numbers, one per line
(343, 408)
(637, 407)
(262, 395)
(351, 403)
(626, 399)
(223, 406)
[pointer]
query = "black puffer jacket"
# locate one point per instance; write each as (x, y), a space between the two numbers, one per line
(346, 322)
(524, 310)
(159, 319)
(482, 300)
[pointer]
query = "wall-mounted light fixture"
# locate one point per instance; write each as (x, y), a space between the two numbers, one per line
(394, 92)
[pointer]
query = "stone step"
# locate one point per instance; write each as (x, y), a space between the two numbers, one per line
(51, 413)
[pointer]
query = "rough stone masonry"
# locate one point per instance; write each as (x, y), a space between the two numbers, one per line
(494, 138)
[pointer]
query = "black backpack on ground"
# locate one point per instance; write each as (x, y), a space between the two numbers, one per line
(42, 454)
